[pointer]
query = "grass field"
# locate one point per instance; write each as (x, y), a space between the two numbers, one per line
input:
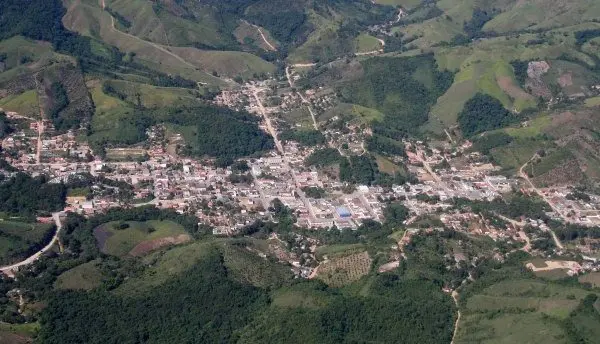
(25, 104)
(541, 14)
(518, 311)
(18, 48)
(366, 43)
(88, 19)
(86, 276)
(154, 97)
(119, 242)
(495, 78)
(592, 102)
(356, 113)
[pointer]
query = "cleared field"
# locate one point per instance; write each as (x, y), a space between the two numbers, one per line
(386, 166)
(593, 278)
(358, 113)
(336, 250)
(249, 268)
(120, 242)
(124, 154)
(25, 104)
(152, 96)
(592, 102)
(86, 276)
(341, 270)
(226, 63)
(20, 50)
(18, 333)
(518, 311)
(366, 43)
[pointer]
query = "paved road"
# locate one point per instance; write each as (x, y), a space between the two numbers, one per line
(9, 270)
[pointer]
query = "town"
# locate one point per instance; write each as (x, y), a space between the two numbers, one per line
(231, 198)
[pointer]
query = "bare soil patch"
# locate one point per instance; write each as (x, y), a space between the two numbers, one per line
(151, 245)
(507, 85)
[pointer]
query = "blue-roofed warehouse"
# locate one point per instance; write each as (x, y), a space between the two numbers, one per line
(343, 212)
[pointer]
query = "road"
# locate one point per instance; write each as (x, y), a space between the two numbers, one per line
(524, 175)
(279, 146)
(262, 35)
(10, 269)
(455, 298)
(522, 234)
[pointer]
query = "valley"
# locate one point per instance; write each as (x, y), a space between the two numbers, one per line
(268, 171)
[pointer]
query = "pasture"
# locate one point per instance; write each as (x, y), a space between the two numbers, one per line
(120, 238)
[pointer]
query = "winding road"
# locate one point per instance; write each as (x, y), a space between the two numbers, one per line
(10, 270)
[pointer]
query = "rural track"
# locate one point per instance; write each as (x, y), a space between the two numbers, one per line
(455, 298)
(157, 46)
(524, 175)
(262, 35)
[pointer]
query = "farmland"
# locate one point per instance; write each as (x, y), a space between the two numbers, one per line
(519, 309)
(342, 269)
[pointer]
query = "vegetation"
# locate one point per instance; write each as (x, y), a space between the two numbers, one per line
(323, 157)
(60, 102)
(314, 192)
(203, 128)
(489, 141)
(19, 240)
(26, 196)
(482, 113)
(358, 170)
(5, 127)
(304, 137)
(404, 89)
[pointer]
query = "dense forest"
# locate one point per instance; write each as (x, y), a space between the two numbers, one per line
(41, 20)
(482, 113)
(323, 157)
(404, 89)
(217, 131)
(25, 195)
(5, 127)
(304, 137)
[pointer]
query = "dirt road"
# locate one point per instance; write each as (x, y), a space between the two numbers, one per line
(455, 298)
(262, 35)
(524, 175)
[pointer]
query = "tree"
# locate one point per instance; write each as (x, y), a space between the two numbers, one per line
(395, 214)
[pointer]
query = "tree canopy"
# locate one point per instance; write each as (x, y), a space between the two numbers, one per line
(482, 113)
